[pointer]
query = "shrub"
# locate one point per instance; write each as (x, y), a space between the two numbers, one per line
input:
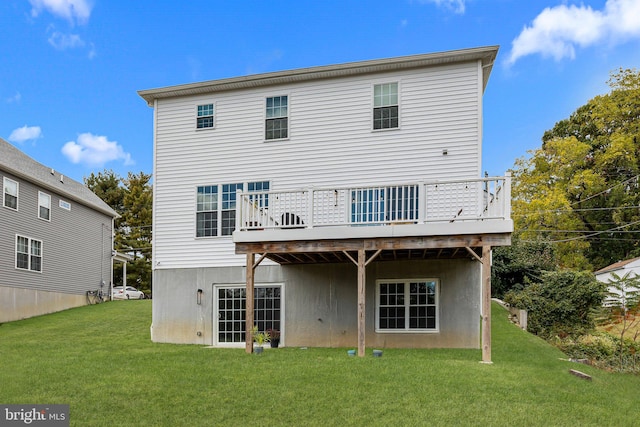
(563, 303)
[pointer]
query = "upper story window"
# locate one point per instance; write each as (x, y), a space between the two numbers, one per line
(205, 117)
(277, 117)
(407, 305)
(44, 206)
(10, 199)
(385, 106)
(64, 205)
(216, 207)
(28, 254)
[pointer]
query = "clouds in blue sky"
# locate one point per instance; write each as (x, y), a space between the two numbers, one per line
(458, 6)
(25, 133)
(74, 11)
(95, 150)
(557, 31)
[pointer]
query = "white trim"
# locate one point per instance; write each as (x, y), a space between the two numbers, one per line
(15, 253)
(214, 310)
(213, 116)
(7, 179)
(48, 207)
(265, 118)
(63, 204)
(406, 281)
(372, 104)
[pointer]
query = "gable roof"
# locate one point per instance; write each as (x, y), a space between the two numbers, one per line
(19, 164)
(617, 266)
(486, 55)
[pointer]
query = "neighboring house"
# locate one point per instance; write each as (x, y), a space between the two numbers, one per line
(629, 268)
(348, 199)
(55, 239)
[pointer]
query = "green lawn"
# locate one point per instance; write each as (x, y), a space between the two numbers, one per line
(99, 360)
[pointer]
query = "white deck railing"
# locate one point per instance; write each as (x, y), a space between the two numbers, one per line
(415, 203)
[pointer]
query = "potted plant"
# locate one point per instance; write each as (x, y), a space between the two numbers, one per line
(260, 338)
(274, 337)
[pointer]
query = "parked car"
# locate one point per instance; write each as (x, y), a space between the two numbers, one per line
(130, 293)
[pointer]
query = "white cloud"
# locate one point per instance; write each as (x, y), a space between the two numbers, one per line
(15, 98)
(71, 10)
(458, 6)
(65, 41)
(25, 133)
(557, 31)
(94, 150)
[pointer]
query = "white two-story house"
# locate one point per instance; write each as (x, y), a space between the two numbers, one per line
(348, 199)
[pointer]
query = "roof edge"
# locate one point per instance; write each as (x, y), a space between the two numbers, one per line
(485, 54)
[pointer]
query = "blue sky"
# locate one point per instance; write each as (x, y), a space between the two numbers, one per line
(70, 69)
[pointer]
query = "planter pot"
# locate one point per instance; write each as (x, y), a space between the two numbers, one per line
(258, 350)
(275, 342)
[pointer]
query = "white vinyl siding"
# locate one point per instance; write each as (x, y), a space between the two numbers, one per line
(329, 143)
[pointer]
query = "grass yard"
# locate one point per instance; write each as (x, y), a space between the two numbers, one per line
(99, 360)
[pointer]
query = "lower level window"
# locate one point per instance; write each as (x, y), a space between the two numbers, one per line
(28, 254)
(407, 305)
(231, 311)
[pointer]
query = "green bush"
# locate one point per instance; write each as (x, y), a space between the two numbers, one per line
(562, 304)
(604, 351)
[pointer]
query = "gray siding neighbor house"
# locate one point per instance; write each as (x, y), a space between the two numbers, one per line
(55, 239)
(348, 201)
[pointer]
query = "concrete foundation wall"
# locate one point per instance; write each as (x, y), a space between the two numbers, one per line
(16, 303)
(320, 303)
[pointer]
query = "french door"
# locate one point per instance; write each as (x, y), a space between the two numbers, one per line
(230, 306)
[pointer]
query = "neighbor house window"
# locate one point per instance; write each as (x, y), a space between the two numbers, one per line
(44, 206)
(385, 106)
(10, 193)
(28, 254)
(205, 117)
(216, 215)
(277, 118)
(407, 305)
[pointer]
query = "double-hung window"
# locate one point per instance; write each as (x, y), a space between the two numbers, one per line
(44, 206)
(28, 254)
(407, 305)
(385, 106)
(205, 118)
(216, 207)
(10, 191)
(207, 211)
(277, 117)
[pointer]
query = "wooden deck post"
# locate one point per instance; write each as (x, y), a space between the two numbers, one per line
(486, 304)
(362, 277)
(249, 303)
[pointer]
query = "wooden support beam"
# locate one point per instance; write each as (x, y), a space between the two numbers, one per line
(386, 243)
(475, 255)
(259, 260)
(486, 304)
(362, 277)
(372, 257)
(249, 302)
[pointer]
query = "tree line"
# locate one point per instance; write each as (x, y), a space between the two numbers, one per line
(132, 199)
(576, 209)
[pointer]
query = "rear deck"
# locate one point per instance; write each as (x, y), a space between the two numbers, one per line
(440, 219)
